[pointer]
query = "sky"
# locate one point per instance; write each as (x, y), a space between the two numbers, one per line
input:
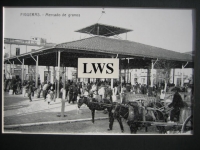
(171, 29)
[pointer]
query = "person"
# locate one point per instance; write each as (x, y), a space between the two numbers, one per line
(19, 85)
(8, 85)
(97, 97)
(89, 86)
(71, 94)
(149, 91)
(45, 91)
(139, 88)
(101, 92)
(115, 94)
(188, 96)
(124, 90)
(177, 104)
(14, 87)
(50, 94)
(128, 87)
(30, 90)
(134, 89)
(67, 89)
(5, 84)
(109, 92)
(146, 90)
(94, 87)
(162, 94)
(40, 89)
(75, 93)
(33, 86)
(154, 90)
(26, 85)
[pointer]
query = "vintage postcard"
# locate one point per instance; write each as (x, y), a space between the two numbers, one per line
(98, 71)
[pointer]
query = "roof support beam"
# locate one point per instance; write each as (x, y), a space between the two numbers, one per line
(152, 68)
(13, 67)
(36, 75)
(182, 73)
(9, 61)
(19, 60)
(155, 62)
(10, 73)
(58, 92)
(33, 57)
(22, 71)
(185, 64)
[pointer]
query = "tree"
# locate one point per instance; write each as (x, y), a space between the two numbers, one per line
(165, 67)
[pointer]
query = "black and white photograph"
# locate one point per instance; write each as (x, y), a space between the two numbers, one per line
(98, 71)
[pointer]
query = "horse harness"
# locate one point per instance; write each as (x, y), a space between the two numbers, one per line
(120, 109)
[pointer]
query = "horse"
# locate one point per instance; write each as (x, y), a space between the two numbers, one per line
(131, 113)
(94, 104)
(134, 114)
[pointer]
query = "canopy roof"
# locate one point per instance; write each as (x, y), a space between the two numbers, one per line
(104, 30)
(124, 47)
(101, 47)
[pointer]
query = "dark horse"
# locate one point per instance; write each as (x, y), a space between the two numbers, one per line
(93, 105)
(135, 114)
(132, 113)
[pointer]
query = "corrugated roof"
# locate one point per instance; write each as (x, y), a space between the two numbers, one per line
(124, 47)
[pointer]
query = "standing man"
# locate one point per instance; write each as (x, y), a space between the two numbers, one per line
(45, 91)
(177, 104)
(71, 94)
(75, 93)
(40, 89)
(67, 89)
(30, 90)
(14, 85)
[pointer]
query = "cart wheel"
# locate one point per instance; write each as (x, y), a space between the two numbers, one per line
(187, 125)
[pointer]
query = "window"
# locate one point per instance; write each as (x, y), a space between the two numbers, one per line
(17, 51)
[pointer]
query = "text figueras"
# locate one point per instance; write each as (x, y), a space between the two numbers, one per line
(98, 68)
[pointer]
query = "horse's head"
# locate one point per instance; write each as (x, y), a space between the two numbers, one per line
(81, 100)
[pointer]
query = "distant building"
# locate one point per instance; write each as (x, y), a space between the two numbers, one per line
(15, 47)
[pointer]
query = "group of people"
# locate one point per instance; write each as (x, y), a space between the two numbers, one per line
(13, 84)
(97, 90)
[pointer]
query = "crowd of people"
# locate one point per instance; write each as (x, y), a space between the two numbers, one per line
(15, 84)
(98, 90)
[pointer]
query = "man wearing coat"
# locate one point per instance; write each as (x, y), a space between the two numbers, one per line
(177, 104)
(30, 90)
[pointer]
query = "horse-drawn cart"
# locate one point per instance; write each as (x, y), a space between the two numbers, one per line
(143, 111)
(161, 112)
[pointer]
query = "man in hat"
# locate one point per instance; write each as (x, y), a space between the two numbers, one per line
(177, 104)
(30, 90)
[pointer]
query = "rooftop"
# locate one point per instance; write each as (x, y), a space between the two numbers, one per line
(124, 47)
(103, 30)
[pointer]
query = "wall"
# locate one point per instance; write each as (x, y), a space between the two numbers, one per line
(11, 48)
